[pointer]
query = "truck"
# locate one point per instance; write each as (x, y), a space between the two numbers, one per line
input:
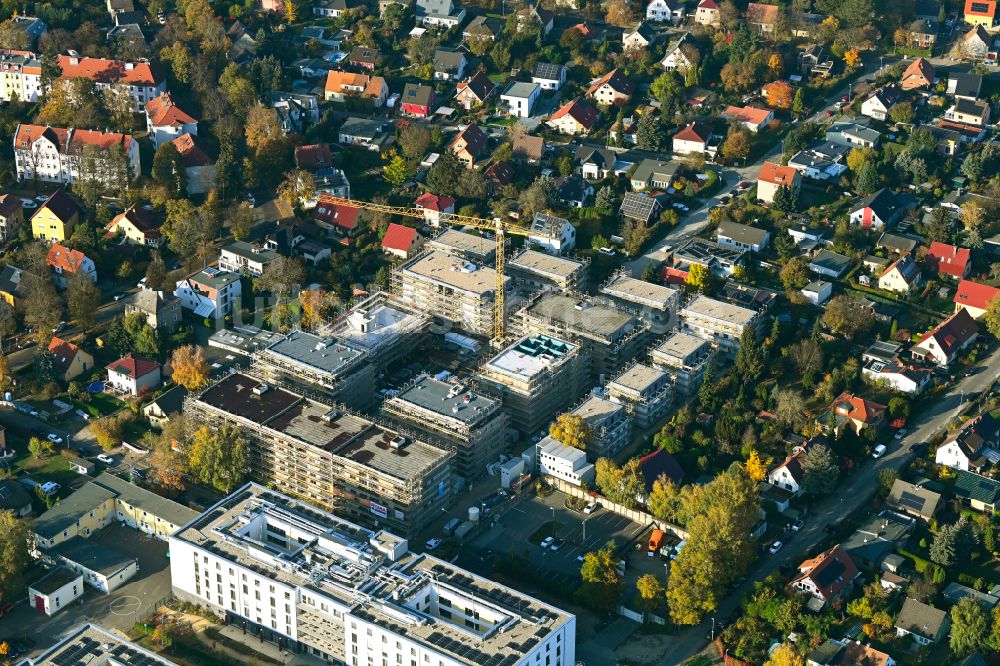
(451, 526)
(655, 541)
(463, 530)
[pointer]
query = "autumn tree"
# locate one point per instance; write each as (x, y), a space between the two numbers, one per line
(780, 94)
(280, 276)
(15, 534)
(859, 157)
(168, 467)
(848, 316)
(755, 466)
(108, 431)
(572, 430)
(852, 58)
(620, 13)
(6, 376)
(635, 234)
(785, 655)
(414, 140)
(298, 187)
(699, 278)
(218, 457)
(992, 316)
(396, 170)
(83, 298)
(902, 113)
(189, 367)
(42, 307)
(970, 627)
(601, 584)
(622, 485)
(314, 304)
(652, 593)
(736, 147)
(664, 499)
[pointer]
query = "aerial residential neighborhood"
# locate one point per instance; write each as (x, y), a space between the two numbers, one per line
(517, 333)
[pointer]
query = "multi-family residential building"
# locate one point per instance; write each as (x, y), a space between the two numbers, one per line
(20, 76)
(439, 284)
(328, 456)
(718, 322)
(165, 121)
(611, 425)
(563, 462)
(380, 329)
(455, 414)
(611, 337)
(11, 216)
(774, 176)
(142, 80)
(684, 357)
(319, 585)
(536, 271)
(325, 367)
(211, 293)
(657, 304)
(100, 645)
(61, 155)
(537, 377)
(161, 309)
(645, 391)
(246, 258)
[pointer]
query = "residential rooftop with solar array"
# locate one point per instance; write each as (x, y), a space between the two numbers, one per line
(341, 589)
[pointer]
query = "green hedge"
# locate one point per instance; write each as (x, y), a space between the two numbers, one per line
(919, 563)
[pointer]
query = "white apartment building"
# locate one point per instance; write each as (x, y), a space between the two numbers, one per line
(245, 258)
(564, 462)
(142, 80)
(211, 293)
(316, 584)
(552, 233)
(20, 76)
(720, 323)
(53, 154)
(684, 357)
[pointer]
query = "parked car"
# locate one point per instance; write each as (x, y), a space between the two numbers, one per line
(29, 203)
(50, 488)
(54, 438)
(879, 451)
(106, 459)
(900, 434)
(798, 525)
(433, 543)
(775, 547)
(547, 541)
(138, 473)
(42, 198)
(590, 508)
(608, 251)
(556, 544)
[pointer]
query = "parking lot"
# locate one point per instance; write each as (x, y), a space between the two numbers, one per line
(578, 533)
(119, 610)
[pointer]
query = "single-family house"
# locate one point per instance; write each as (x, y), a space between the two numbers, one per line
(829, 263)
(917, 501)
(70, 361)
(849, 409)
(854, 132)
(919, 74)
(895, 374)
(330, 8)
(250, 259)
(12, 286)
(923, 32)
(654, 174)
(527, 148)
(902, 276)
(972, 446)
(789, 474)
(161, 309)
(981, 13)
(949, 260)
(707, 13)
(449, 65)
(136, 226)
(469, 145)
(199, 167)
(668, 11)
(692, 140)
(165, 121)
(67, 263)
(774, 176)
(366, 133)
(401, 241)
(742, 236)
(879, 102)
(364, 57)
(822, 160)
(549, 76)
(682, 54)
(942, 344)
(211, 293)
(159, 410)
(133, 376)
(520, 98)
(817, 292)
(482, 27)
(341, 86)
(575, 117)
(11, 216)
(573, 191)
(848, 653)
(336, 218)
(475, 91)
(56, 219)
(969, 112)
(640, 206)
(614, 88)
(433, 206)
(638, 38)
(537, 15)
(975, 45)
(974, 297)
(978, 492)
(964, 85)
(826, 577)
(418, 100)
(924, 624)
(752, 118)
(881, 209)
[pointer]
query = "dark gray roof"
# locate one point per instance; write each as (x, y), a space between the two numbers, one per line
(13, 496)
(971, 107)
(414, 93)
(54, 579)
(913, 499)
(161, 507)
(897, 242)
(171, 401)
(638, 206)
(742, 233)
(650, 167)
(362, 127)
(883, 203)
(831, 261)
(964, 84)
(547, 70)
(448, 61)
(93, 556)
(920, 619)
(66, 514)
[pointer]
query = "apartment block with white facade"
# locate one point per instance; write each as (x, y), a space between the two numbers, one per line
(684, 357)
(142, 80)
(720, 323)
(316, 584)
(61, 154)
(20, 76)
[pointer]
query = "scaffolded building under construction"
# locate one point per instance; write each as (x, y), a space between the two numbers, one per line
(331, 457)
(378, 326)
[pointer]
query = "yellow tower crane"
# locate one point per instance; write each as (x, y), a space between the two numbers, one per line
(497, 226)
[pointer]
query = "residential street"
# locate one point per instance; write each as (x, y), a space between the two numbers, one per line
(855, 491)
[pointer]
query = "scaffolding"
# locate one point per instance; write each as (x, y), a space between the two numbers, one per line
(380, 326)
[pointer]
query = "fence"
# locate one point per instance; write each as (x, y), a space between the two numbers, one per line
(635, 515)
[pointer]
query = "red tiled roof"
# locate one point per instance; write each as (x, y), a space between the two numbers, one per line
(975, 295)
(746, 114)
(777, 174)
(162, 111)
(616, 79)
(192, 155)
(63, 352)
(133, 367)
(348, 82)
(500, 173)
(398, 237)
(580, 111)
(435, 202)
(991, 8)
(858, 408)
(949, 259)
(762, 14)
(793, 464)
(313, 157)
(830, 572)
(695, 132)
(920, 71)
(336, 215)
(109, 71)
(65, 259)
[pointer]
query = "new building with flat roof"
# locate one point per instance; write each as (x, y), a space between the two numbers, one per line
(96, 646)
(611, 423)
(684, 357)
(656, 303)
(612, 337)
(329, 456)
(384, 332)
(537, 271)
(537, 377)
(719, 322)
(316, 584)
(564, 462)
(645, 392)
(325, 367)
(444, 285)
(470, 246)
(455, 414)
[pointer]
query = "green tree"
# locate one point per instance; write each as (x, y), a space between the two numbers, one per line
(942, 549)
(396, 171)
(799, 102)
(750, 358)
(785, 199)
(902, 113)
(39, 448)
(605, 200)
(15, 534)
(970, 627)
(666, 87)
(414, 140)
(820, 471)
(664, 499)
(652, 593)
(622, 485)
(867, 180)
(602, 586)
(219, 457)
(649, 134)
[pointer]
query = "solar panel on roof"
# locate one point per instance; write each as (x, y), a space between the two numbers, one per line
(911, 501)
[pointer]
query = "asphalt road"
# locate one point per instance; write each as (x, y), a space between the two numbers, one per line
(855, 491)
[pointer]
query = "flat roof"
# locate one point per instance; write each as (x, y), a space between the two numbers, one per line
(596, 410)
(681, 345)
(54, 579)
(531, 355)
(316, 353)
(638, 378)
(244, 341)
(454, 400)
(371, 324)
(453, 239)
(640, 291)
(235, 395)
(584, 316)
(704, 306)
(93, 556)
(372, 576)
(96, 646)
(548, 265)
(452, 271)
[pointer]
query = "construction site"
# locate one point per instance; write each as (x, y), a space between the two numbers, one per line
(453, 413)
(379, 328)
(538, 271)
(329, 456)
(645, 392)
